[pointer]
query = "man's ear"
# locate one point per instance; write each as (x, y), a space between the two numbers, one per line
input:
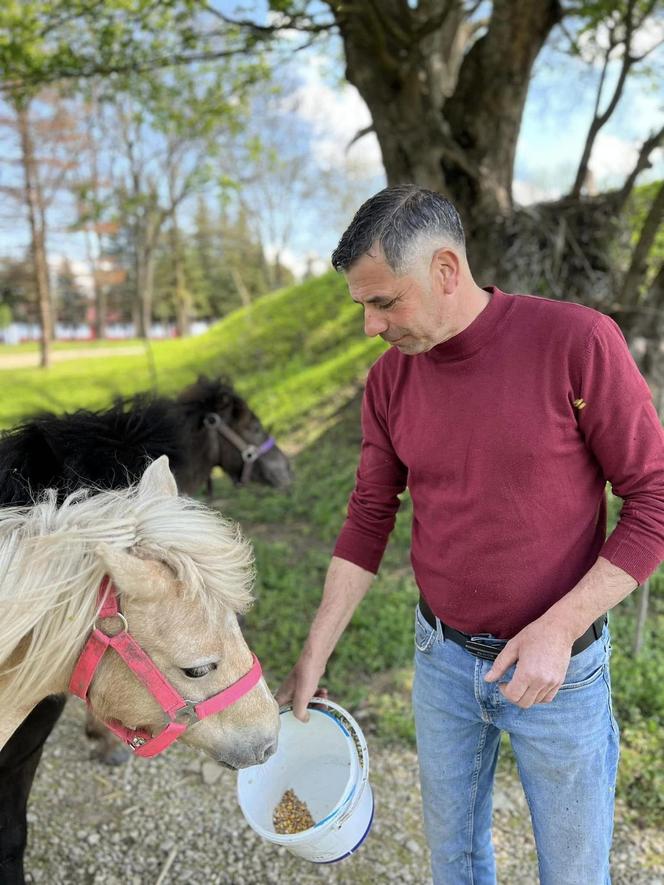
(445, 267)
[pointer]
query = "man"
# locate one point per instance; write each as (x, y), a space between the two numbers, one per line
(504, 415)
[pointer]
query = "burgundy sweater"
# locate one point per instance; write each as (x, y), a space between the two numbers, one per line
(505, 436)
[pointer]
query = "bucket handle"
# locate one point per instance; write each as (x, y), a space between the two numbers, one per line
(358, 740)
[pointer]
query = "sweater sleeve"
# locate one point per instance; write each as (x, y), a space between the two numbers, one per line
(621, 426)
(380, 478)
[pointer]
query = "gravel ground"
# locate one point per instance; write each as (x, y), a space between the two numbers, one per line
(175, 819)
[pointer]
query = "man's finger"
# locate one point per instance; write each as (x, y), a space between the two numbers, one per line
(507, 657)
(550, 695)
(526, 699)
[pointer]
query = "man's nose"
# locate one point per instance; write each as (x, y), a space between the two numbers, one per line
(374, 323)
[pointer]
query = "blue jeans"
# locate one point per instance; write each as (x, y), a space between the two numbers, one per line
(566, 752)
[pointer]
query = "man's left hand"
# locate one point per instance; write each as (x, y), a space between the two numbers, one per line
(542, 655)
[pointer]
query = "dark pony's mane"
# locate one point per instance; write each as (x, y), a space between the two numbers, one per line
(107, 449)
(210, 395)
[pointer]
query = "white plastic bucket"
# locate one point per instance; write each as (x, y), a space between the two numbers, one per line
(326, 763)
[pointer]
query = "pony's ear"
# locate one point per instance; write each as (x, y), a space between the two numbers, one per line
(130, 574)
(158, 479)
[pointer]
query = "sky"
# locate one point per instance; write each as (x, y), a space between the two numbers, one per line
(330, 112)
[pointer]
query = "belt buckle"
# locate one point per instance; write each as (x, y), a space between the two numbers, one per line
(487, 651)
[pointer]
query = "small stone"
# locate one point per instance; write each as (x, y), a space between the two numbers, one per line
(413, 846)
(210, 772)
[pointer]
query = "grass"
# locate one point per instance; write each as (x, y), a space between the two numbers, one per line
(33, 346)
(290, 353)
(300, 357)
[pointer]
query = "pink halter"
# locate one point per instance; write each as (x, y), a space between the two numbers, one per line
(169, 699)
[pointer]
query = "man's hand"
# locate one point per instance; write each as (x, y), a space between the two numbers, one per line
(542, 655)
(300, 686)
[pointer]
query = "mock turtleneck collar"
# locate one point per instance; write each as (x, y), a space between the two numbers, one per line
(478, 333)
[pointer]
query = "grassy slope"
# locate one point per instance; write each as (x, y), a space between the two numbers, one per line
(290, 352)
(300, 357)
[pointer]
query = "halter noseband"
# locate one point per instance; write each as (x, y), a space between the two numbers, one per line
(180, 713)
(248, 452)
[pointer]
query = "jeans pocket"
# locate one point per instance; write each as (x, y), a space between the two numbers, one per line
(585, 668)
(425, 635)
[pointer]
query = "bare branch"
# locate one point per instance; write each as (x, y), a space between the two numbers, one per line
(638, 267)
(648, 52)
(289, 23)
(360, 134)
(599, 120)
(643, 162)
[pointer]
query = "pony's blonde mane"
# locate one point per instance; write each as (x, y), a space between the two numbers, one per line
(50, 571)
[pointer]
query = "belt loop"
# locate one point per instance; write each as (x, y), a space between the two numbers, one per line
(440, 635)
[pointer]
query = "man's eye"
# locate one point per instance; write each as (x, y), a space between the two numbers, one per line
(197, 672)
(386, 305)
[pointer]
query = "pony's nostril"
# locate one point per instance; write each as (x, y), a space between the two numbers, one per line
(267, 752)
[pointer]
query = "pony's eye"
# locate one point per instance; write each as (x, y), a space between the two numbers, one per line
(197, 672)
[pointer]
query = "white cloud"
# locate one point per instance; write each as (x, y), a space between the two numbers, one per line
(298, 263)
(525, 193)
(337, 115)
(80, 270)
(613, 158)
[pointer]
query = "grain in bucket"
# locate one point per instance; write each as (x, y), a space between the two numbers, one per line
(325, 763)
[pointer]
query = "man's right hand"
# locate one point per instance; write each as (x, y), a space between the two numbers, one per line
(300, 686)
(345, 586)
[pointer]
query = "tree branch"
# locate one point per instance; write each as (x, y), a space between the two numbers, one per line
(290, 23)
(642, 163)
(599, 120)
(638, 267)
(359, 135)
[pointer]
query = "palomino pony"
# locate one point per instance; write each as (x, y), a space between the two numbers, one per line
(102, 588)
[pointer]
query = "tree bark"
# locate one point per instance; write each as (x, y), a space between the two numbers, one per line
(638, 267)
(36, 218)
(444, 119)
(182, 296)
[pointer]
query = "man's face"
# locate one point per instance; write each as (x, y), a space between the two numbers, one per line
(403, 310)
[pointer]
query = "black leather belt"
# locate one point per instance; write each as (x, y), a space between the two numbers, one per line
(490, 649)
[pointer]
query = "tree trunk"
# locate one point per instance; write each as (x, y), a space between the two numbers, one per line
(36, 219)
(98, 288)
(446, 120)
(144, 287)
(182, 296)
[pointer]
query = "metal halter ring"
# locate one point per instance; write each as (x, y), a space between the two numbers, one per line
(125, 625)
(250, 454)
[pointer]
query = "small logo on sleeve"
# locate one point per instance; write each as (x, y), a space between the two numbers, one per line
(579, 404)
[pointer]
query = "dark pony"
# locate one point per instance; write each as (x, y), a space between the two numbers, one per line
(208, 425)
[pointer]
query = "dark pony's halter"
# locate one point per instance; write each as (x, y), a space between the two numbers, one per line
(249, 452)
(180, 713)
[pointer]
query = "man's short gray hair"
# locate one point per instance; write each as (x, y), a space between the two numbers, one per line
(400, 220)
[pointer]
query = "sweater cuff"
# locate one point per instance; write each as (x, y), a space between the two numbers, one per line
(360, 549)
(630, 557)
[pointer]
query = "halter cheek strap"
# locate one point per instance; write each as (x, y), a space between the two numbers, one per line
(169, 699)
